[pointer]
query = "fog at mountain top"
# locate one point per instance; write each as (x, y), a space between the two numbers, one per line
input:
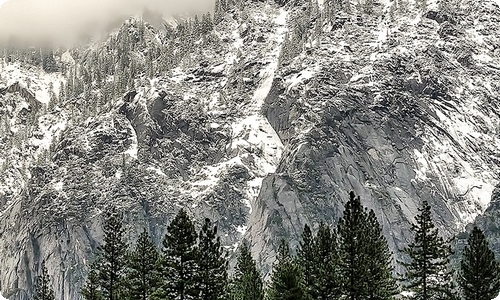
(64, 22)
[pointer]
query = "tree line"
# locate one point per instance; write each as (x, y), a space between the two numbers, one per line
(350, 261)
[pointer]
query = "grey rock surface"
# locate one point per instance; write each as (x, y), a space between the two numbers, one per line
(261, 138)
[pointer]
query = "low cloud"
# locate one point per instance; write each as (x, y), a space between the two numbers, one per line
(63, 22)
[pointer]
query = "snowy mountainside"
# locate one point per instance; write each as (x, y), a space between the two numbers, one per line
(398, 106)
(263, 122)
(193, 137)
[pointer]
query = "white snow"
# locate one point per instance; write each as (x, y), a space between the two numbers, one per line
(423, 166)
(58, 186)
(255, 144)
(36, 81)
(382, 34)
(482, 57)
(67, 58)
(178, 75)
(157, 171)
(300, 77)
(475, 36)
(255, 126)
(463, 157)
(242, 229)
(132, 151)
(51, 126)
(211, 175)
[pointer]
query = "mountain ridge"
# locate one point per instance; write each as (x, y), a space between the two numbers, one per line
(390, 107)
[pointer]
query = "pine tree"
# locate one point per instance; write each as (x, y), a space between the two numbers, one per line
(91, 290)
(365, 259)
(479, 277)
(178, 261)
(351, 230)
(286, 280)
(142, 277)
(247, 282)
(43, 290)
(62, 93)
(318, 259)
(112, 257)
(327, 283)
(48, 62)
(212, 263)
(427, 274)
(380, 281)
(218, 12)
(306, 258)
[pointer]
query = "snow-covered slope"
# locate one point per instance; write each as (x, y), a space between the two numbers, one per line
(194, 138)
(263, 124)
(398, 106)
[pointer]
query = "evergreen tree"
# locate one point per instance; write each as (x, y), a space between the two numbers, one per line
(380, 281)
(218, 12)
(62, 93)
(479, 271)
(352, 235)
(142, 278)
(327, 283)
(427, 274)
(91, 289)
(112, 257)
(43, 290)
(48, 62)
(247, 282)
(286, 280)
(178, 261)
(212, 263)
(365, 259)
(307, 260)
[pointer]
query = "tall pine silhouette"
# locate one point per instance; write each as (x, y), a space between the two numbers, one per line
(92, 289)
(247, 282)
(43, 289)
(427, 274)
(212, 263)
(479, 277)
(307, 261)
(286, 280)
(365, 260)
(178, 261)
(142, 275)
(318, 258)
(327, 284)
(351, 229)
(380, 281)
(112, 260)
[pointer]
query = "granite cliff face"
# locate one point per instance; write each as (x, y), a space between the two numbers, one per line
(264, 127)
(409, 113)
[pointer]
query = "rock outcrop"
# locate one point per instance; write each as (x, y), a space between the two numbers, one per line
(397, 105)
